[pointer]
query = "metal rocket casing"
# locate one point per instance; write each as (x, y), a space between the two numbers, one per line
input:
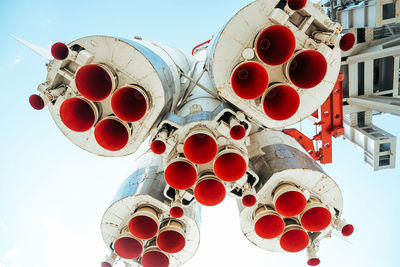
(202, 112)
(143, 189)
(279, 160)
(237, 44)
(151, 68)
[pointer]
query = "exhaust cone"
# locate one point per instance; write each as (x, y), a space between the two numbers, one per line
(200, 148)
(249, 200)
(59, 51)
(176, 212)
(171, 238)
(297, 4)
(155, 258)
(77, 114)
(143, 226)
(307, 69)
(347, 42)
(94, 82)
(269, 226)
(275, 45)
(290, 204)
(209, 192)
(316, 219)
(347, 230)
(249, 80)
(129, 104)
(230, 167)
(313, 262)
(36, 102)
(294, 240)
(237, 132)
(281, 102)
(180, 175)
(111, 134)
(128, 248)
(158, 147)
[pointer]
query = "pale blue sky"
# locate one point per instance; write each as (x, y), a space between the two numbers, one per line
(53, 194)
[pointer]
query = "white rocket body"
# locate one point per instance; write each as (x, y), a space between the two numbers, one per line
(214, 121)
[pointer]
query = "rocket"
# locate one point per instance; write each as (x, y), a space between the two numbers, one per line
(214, 124)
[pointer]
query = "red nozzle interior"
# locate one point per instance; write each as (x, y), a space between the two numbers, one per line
(313, 262)
(281, 102)
(347, 230)
(347, 41)
(59, 51)
(275, 45)
(36, 102)
(297, 4)
(155, 259)
(129, 104)
(180, 175)
(209, 192)
(128, 248)
(316, 219)
(158, 147)
(294, 240)
(105, 264)
(290, 203)
(230, 167)
(77, 114)
(93, 82)
(308, 69)
(269, 226)
(200, 148)
(237, 132)
(249, 80)
(176, 212)
(111, 134)
(171, 241)
(249, 200)
(143, 227)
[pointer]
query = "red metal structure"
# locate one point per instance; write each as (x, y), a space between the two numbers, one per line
(329, 121)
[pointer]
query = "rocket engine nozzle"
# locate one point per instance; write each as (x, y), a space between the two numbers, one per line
(307, 69)
(275, 45)
(200, 148)
(297, 4)
(347, 230)
(181, 174)
(237, 132)
(111, 134)
(78, 114)
(158, 147)
(281, 102)
(144, 223)
(268, 223)
(59, 51)
(249, 200)
(129, 103)
(315, 217)
(347, 41)
(209, 191)
(294, 239)
(249, 80)
(36, 102)
(128, 247)
(154, 257)
(171, 238)
(289, 201)
(230, 166)
(94, 81)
